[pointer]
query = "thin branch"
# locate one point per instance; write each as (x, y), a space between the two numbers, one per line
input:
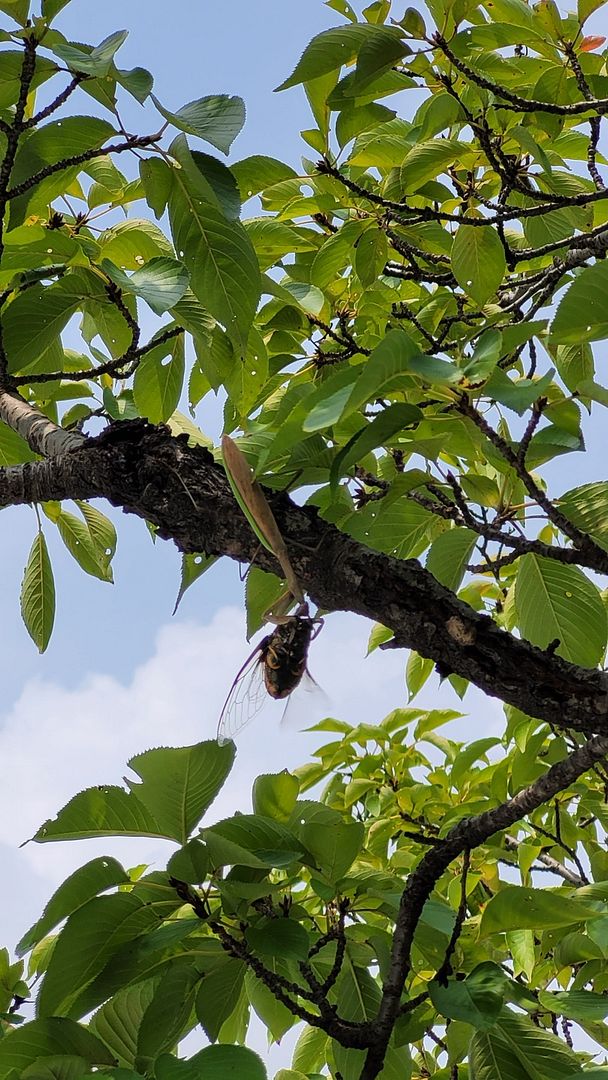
(57, 103)
(550, 864)
(580, 539)
(111, 367)
(132, 143)
(523, 104)
(445, 970)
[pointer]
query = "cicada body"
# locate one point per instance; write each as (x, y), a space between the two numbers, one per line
(284, 655)
(274, 668)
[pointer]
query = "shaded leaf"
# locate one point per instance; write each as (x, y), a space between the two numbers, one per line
(217, 118)
(478, 261)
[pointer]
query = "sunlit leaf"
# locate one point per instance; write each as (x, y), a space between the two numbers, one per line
(38, 594)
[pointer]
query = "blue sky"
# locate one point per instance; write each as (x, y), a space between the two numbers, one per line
(205, 48)
(120, 675)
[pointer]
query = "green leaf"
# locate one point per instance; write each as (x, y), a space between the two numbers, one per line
(417, 671)
(575, 1004)
(384, 369)
(574, 364)
(94, 877)
(190, 863)
(308, 297)
(118, 1022)
(279, 938)
(376, 433)
(213, 1063)
(251, 840)
(159, 379)
(427, 160)
(218, 995)
(96, 62)
(17, 9)
(378, 54)
(223, 265)
(81, 546)
(371, 253)
(91, 935)
(105, 811)
(275, 794)
(582, 313)
(254, 174)
(556, 601)
(478, 261)
(517, 394)
(101, 531)
(587, 7)
(32, 322)
(38, 594)
(377, 636)
(395, 525)
(587, 507)
(274, 1015)
(13, 449)
(355, 119)
(221, 183)
(217, 118)
(331, 49)
(138, 82)
(516, 907)
(193, 566)
(166, 1018)
(310, 1049)
(161, 282)
(478, 1000)
(329, 410)
(475, 751)
(11, 63)
(488, 351)
(262, 590)
(47, 1037)
(180, 783)
(515, 1049)
(57, 1067)
(333, 842)
(448, 556)
(50, 144)
(134, 242)
(157, 178)
(207, 178)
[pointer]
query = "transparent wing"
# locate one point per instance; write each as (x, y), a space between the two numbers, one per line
(306, 705)
(245, 699)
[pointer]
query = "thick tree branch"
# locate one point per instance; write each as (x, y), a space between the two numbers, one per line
(181, 490)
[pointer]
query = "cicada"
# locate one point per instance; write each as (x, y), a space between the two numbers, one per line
(275, 668)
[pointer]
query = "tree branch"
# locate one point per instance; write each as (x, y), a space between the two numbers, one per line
(181, 490)
(466, 835)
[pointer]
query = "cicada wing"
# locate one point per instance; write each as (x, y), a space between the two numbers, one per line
(245, 699)
(306, 705)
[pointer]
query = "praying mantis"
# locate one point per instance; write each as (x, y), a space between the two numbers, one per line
(254, 505)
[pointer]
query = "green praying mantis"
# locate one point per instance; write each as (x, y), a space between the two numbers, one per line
(254, 505)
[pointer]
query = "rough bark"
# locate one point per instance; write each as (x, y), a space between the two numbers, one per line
(181, 490)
